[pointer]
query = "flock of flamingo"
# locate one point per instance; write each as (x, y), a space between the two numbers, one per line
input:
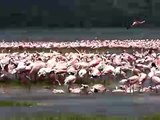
(85, 72)
(96, 43)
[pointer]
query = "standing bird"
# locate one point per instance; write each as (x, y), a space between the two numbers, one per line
(135, 23)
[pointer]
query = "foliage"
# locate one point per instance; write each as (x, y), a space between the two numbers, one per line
(83, 117)
(73, 13)
(16, 103)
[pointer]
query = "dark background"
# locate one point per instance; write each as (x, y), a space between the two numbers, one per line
(77, 13)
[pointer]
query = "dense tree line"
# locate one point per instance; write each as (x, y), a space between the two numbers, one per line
(61, 13)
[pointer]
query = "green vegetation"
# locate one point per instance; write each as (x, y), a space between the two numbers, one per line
(61, 14)
(16, 103)
(77, 13)
(152, 117)
(83, 117)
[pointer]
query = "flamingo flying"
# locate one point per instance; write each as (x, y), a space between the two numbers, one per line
(136, 23)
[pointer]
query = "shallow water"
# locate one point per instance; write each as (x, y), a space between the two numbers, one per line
(106, 104)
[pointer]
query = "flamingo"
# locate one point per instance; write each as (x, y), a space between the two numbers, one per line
(80, 90)
(98, 88)
(69, 80)
(82, 73)
(136, 23)
(55, 91)
(156, 81)
(120, 89)
(154, 76)
(129, 82)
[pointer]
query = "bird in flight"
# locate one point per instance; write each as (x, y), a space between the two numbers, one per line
(136, 23)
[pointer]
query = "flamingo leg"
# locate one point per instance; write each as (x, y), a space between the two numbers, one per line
(28, 83)
(133, 88)
(156, 88)
(68, 87)
(130, 87)
(151, 84)
(56, 78)
(141, 88)
(104, 80)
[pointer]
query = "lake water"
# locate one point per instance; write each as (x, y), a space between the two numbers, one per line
(78, 34)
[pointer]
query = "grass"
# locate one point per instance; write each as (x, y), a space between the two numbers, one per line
(152, 117)
(83, 117)
(17, 84)
(66, 117)
(16, 103)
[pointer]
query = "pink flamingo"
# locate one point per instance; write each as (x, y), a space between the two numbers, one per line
(136, 23)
